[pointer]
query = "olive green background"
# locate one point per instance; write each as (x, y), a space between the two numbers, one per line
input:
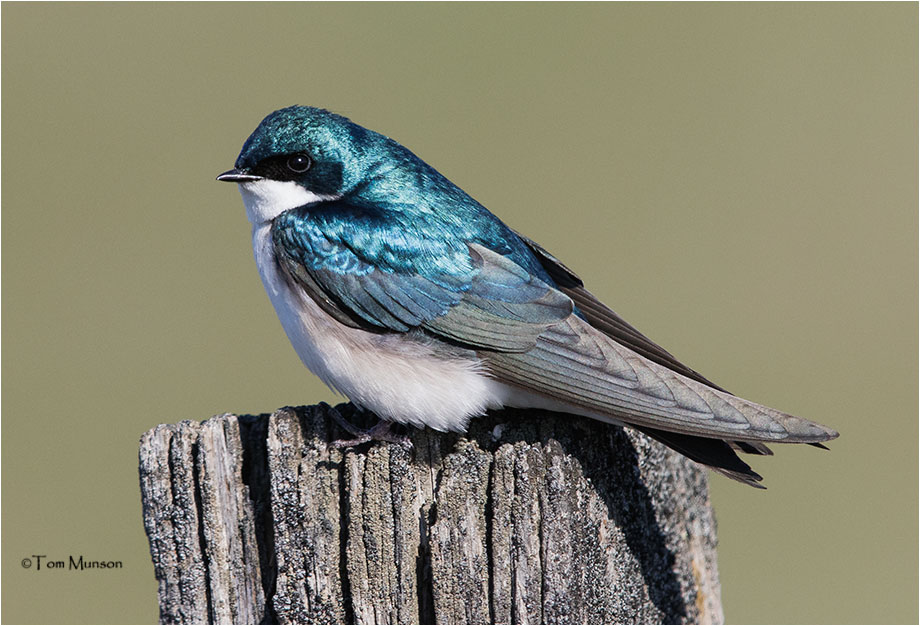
(739, 181)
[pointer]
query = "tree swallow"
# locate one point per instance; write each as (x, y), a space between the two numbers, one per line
(404, 294)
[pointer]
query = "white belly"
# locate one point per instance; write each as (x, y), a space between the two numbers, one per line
(390, 374)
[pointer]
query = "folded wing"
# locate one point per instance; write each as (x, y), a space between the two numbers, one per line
(555, 340)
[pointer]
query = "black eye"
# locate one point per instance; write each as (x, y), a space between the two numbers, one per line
(299, 163)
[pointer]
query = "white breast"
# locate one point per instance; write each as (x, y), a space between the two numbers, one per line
(390, 374)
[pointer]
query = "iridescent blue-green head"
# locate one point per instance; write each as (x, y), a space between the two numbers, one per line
(315, 148)
(308, 154)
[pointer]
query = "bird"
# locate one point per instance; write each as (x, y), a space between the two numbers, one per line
(407, 296)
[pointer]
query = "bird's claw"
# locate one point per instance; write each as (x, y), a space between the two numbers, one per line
(381, 431)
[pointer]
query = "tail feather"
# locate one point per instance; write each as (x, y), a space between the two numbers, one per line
(752, 447)
(715, 453)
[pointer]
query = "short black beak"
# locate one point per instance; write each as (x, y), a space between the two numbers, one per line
(237, 176)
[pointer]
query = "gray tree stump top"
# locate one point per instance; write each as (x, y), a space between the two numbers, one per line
(528, 518)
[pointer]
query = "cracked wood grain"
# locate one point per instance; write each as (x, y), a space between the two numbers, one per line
(528, 518)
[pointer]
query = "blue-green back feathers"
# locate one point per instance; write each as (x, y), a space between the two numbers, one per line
(395, 278)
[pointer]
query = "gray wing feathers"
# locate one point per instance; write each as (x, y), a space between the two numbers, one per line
(575, 363)
(505, 308)
(606, 320)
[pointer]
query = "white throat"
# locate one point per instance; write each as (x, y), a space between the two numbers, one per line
(267, 199)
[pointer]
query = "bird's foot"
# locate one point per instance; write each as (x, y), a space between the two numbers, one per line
(381, 431)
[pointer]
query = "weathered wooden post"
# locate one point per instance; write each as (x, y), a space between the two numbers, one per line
(530, 517)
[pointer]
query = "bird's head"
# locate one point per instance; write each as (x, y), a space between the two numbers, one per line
(302, 155)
